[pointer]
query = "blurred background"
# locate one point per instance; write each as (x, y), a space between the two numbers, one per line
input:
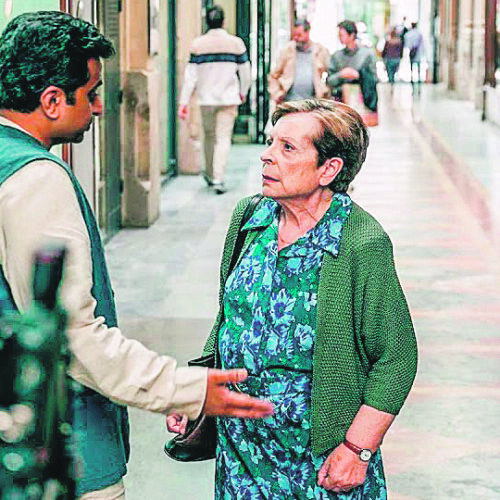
(139, 142)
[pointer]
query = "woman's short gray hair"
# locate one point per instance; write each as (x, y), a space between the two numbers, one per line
(342, 134)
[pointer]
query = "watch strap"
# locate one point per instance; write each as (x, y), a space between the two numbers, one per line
(359, 451)
(352, 447)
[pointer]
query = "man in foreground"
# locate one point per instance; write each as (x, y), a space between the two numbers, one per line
(49, 80)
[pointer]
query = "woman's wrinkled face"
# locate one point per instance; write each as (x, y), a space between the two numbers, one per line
(290, 162)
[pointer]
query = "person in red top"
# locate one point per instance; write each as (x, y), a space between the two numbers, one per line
(391, 54)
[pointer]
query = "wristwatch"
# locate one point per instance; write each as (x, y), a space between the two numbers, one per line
(364, 454)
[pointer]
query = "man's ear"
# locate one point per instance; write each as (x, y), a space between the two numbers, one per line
(51, 102)
(331, 168)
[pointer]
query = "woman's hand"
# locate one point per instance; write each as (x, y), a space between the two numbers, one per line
(177, 423)
(342, 471)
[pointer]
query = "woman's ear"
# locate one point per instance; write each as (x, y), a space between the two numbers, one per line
(51, 102)
(331, 168)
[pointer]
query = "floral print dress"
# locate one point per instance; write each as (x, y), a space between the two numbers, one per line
(270, 306)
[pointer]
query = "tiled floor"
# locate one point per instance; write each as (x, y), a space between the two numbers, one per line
(468, 150)
(446, 442)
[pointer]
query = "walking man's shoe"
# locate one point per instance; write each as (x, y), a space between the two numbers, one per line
(219, 188)
(207, 179)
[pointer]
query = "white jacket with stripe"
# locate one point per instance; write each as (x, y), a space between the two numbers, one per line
(218, 70)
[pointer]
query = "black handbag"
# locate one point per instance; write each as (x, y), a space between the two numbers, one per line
(200, 439)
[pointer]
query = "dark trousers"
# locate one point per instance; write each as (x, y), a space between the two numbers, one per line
(391, 66)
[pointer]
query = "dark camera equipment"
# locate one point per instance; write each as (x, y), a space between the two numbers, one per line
(35, 428)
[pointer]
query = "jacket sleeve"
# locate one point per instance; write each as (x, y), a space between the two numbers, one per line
(324, 58)
(38, 204)
(244, 71)
(335, 81)
(386, 329)
(275, 89)
(368, 84)
(190, 79)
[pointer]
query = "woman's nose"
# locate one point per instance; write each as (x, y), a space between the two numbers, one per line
(266, 155)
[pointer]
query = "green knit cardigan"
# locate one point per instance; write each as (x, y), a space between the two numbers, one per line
(365, 348)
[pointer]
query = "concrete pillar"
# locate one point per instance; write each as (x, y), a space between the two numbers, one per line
(143, 105)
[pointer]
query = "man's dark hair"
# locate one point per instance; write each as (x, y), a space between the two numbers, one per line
(39, 49)
(304, 23)
(215, 17)
(349, 26)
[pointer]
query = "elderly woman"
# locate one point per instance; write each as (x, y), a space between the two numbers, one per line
(315, 312)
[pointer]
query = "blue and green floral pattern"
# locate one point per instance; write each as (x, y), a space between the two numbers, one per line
(270, 306)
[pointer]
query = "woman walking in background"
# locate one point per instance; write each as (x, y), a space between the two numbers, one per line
(391, 54)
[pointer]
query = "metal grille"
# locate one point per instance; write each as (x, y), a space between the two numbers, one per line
(263, 65)
(110, 124)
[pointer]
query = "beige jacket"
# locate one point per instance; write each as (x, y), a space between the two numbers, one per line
(281, 77)
(37, 204)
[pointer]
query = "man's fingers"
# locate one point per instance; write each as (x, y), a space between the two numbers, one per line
(232, 404)
(246, 402)
(248, 414)
(221, 377)
(222, 401)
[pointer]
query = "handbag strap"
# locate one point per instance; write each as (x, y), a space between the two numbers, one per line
(238, 245)
(240, 238)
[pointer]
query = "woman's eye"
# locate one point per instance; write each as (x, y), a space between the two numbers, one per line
(287, 147)
(93, 96)
(269, 141)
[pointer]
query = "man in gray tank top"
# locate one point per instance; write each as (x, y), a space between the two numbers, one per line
(302, 87)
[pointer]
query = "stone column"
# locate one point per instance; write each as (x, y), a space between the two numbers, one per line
(143, 106)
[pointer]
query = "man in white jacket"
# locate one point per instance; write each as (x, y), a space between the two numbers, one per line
(48, 96)
(219, 71)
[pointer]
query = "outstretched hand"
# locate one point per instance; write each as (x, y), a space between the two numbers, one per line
(342, 470)
(220, 400)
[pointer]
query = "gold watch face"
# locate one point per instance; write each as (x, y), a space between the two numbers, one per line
(365, 455)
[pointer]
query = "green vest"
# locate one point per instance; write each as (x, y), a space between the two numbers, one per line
(100, 426)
